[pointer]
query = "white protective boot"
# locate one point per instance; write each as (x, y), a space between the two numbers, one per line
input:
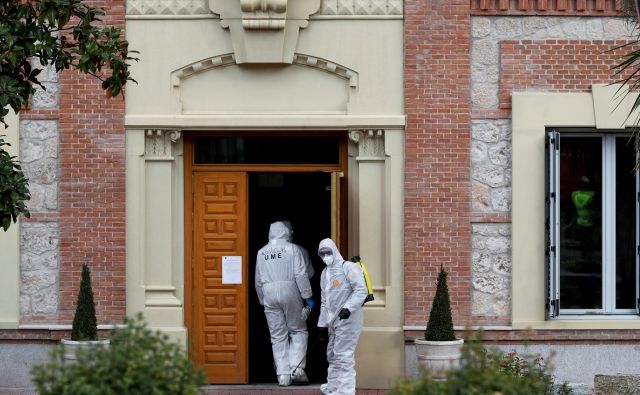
(284, 380)
(299, 376)
(324, 388)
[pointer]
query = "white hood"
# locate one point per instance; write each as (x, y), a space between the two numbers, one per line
(328, 243)
(279, 231)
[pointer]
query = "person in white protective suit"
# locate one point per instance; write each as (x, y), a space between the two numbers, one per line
(303, 251)
(281, 284)
(343, 293)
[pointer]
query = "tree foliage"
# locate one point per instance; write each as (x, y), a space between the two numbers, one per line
(62, 34)
(440, 325)
(85, 325)
(14, 191)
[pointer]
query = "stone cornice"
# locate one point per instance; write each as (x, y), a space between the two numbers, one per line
(327, 7)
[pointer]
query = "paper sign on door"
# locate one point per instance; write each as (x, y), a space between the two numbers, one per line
(232, 270)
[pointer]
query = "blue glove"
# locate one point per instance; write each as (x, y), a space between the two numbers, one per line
(310, 303)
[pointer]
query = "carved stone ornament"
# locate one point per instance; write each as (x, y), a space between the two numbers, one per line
(264, 31)
(158, 144)
(370, 142)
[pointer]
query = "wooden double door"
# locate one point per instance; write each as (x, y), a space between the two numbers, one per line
(231, 212)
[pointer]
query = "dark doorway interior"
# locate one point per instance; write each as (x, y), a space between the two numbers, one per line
(305, 200)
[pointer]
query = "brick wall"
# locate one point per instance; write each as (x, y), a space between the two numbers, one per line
(556, 65)
(437, 188)
(92, 189)
(546, 7)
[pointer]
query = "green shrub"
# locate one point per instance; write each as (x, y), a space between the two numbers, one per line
(85, 325)
(14, 188)
(440, 325)
(138, 361)
(487, 371)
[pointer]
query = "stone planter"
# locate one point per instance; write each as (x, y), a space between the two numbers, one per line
(71, 347)
(438, 356)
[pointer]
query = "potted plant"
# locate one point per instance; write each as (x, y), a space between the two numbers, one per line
(439, 351)
(84, 331)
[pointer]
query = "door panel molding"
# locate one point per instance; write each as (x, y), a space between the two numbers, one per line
(220, 311)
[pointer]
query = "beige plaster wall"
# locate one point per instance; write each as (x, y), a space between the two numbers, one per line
(346, 75)
(371, 48)
(10, 245)
(606, 109)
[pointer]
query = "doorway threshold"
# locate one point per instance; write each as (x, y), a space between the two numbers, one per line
(269, 389)
(242, 389)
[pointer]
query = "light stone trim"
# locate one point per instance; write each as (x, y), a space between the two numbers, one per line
(39, 288)
(491, 271)
(229, 59)
(167, 7)
(39, 140)
(264, 31)
(490, 151)
(370, 143)
(488, 31)
(10, 243)
(203, 65)
(328, 7)
(491, 146)
(328, 66)
(159, 144)
(532, 113)
(361, 7)
(491, 165)
(47, 97)
(265, 121)
(263, 14)
(370, 171)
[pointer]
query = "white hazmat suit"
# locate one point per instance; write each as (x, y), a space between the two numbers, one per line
(281, 283)
(303, 251)
(343, 287)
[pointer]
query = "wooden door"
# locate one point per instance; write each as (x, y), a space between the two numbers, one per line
(219, 315)
(336, 202)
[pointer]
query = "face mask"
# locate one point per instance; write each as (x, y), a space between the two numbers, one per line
(327, 259)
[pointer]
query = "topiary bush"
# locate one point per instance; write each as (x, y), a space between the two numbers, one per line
(85, 325)
(138, 361)
(440, 325)
(487, 371)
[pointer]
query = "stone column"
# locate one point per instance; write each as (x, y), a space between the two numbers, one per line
(160, 289)
(371, 192)
(155, 228)
(375, 180)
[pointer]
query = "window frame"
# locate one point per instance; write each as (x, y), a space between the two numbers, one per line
(606, 108)
(608, 208)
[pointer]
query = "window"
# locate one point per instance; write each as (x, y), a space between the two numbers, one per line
(267, 150)
(591, 224)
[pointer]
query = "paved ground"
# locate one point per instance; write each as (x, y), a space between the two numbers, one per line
(262, 389)
(17, 391)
